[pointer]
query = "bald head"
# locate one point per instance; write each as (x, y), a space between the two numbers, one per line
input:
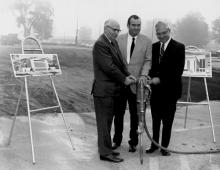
(112, 23)
(161, 24)
(111, 28)
(162, 31)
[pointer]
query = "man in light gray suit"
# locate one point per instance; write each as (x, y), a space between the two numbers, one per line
(136, 50)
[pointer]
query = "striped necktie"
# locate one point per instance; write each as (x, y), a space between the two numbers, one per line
(161, 52)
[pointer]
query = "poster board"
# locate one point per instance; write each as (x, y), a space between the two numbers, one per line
(35, 64)
(198, 63)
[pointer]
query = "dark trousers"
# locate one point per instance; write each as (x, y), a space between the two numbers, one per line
(104, 110)
(163, 110)
(127, 96)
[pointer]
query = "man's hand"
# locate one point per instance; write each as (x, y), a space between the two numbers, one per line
(145, 79)
(155, 80)
(129, 80)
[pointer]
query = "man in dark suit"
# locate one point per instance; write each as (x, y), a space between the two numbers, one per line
(136, 53)
(168, 58)
(110, 75)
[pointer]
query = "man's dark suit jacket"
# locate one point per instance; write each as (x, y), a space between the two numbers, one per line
(170, 69)
(109, 69)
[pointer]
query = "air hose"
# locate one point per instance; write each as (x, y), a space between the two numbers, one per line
(176, 151)
(146, 93)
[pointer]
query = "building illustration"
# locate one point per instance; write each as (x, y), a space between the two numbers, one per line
(35, 64)
(197, 63)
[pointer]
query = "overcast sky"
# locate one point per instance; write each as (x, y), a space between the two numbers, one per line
(93, 13)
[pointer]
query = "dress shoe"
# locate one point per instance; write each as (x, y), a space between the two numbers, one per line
(114, 153)
(151, 150)
(115, 146)
(132, 148)
(111, 158)
(165, 153)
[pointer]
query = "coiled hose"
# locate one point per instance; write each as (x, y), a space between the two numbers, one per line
(146, 93)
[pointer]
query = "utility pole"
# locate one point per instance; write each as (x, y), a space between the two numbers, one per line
(76, 37)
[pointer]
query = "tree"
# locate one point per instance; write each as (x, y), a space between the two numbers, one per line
(216, 30)
(192, 30)
(35, 16)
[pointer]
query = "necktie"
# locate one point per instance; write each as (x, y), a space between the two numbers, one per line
(161, 52)
(132, 46)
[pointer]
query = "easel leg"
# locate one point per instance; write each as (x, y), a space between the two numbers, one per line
(58, 100)
(29, 119)
(187, 99)
(15, 115)
(210, 113)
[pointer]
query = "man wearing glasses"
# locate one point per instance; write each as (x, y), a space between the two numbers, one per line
(110, 76)
(136, 52)
(168, 58)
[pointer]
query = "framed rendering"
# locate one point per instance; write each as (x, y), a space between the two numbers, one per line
(35, 64)
(198, 63)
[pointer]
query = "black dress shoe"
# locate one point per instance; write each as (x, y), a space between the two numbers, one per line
(115, 146)
(151, 150)
(165, 153)
(132, 148)
(114, 153)
(111, 158)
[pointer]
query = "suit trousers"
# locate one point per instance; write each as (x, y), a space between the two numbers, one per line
(163, 110)
(130, 97)
(104, 111)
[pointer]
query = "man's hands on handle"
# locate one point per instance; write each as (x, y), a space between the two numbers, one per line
(155, 81)
(148, 80)
(129, 80)
(145, 79)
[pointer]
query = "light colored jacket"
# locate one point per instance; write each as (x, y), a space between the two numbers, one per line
(140, 62)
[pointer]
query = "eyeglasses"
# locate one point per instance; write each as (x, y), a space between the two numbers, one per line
(114, 29)
(162, 33)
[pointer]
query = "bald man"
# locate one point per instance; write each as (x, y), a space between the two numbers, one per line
(168, 58)
(110, 76)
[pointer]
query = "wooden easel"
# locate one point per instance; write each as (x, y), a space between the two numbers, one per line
(38, 49)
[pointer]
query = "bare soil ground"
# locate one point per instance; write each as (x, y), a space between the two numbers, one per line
(52, 147)
(53, 150)
(74, 85)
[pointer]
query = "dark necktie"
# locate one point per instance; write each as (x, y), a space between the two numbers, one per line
(161, 52)
(132, 46)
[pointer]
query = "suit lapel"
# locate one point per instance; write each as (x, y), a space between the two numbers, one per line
(118, 53)
(115, 50)
(157, 51)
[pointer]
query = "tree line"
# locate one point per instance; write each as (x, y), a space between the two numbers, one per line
(36, 16)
